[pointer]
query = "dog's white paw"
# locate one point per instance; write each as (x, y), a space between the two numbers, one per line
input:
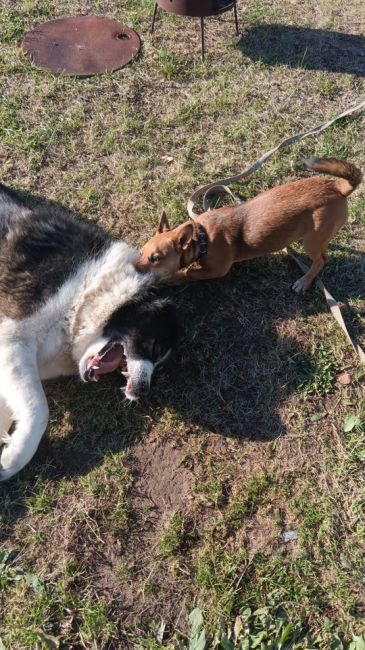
(11, 461)
(298, 287)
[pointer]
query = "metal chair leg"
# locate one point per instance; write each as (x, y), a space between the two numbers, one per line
(203, 37)
(236, 18)
(154, 18)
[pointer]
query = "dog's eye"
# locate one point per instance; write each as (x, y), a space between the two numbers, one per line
(155, 258)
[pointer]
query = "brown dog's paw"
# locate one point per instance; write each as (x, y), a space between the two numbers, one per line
(299, 286)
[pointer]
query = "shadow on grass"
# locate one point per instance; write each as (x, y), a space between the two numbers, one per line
(302, 47)
(234, 369)
(344, 276)
(230, 375)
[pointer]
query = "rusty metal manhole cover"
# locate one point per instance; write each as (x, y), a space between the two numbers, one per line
(81, 45)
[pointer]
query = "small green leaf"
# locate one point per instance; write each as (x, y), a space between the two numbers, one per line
(263, 611)
(17, 576)
(198, 643)
(287, 632)
(337, 644)
(50, 642)
(358, 643)
(345, 561)
(2, 647)
(226, 643)
(245, 644)
(4, 556)
(196, 621)
(351, 422)
(33, 581)
(318, 416)
(258, 638)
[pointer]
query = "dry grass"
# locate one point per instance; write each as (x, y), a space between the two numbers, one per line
(129, 517)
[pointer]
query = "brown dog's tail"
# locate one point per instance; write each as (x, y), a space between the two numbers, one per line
(349, 175)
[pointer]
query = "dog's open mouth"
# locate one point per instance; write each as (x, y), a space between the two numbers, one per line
(110, 359)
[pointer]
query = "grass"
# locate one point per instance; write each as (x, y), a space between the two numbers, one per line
(129, 519)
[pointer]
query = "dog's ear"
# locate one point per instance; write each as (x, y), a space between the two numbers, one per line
(164, 225)
(185, 236)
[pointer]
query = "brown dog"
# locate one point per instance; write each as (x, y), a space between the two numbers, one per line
(313, 210)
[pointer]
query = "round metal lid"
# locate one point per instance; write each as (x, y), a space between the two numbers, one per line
(81, 45)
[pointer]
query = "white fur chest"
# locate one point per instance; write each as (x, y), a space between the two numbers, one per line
(60, 364)
(54, 354)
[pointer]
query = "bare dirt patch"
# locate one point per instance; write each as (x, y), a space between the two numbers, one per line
(131, 573)
(162, 481)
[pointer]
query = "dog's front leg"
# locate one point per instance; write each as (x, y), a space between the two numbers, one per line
(22, 391)
(195, 273)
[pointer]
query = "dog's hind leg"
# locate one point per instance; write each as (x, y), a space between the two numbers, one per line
(304, 283)
(316, 242)
(22, 390)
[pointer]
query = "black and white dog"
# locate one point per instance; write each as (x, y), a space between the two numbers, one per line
(70, 299)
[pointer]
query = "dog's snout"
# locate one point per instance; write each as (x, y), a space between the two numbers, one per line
(140, 374)
(141, 265)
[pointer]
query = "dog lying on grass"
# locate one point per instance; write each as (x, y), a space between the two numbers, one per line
(71, 300)
(311, 209)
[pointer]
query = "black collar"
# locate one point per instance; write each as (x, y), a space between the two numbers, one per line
(202, 241)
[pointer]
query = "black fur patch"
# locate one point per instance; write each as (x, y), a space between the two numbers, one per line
(150, 324)
(39, 251)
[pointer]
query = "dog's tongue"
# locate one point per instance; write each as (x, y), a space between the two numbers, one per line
(107, 362)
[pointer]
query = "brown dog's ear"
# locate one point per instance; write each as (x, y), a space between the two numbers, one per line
(164, 225)
(185, 236)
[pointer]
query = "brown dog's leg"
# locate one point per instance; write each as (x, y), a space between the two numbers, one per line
(327, 221)
(196, 273)
(304, 283)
